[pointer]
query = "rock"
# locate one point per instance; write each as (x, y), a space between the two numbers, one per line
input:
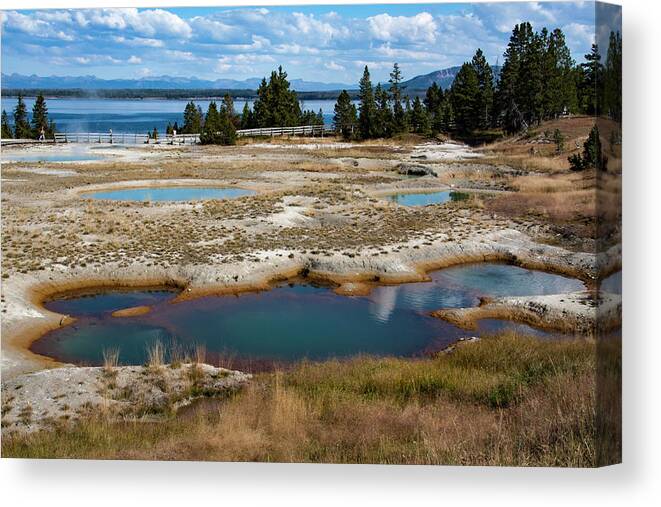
(35, 401)
(415, 170)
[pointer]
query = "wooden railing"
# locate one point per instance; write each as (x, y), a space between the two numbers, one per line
(305, 130)
(124, 138)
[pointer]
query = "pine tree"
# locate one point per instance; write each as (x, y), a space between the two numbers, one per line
(40, 118)
(613, 78)
(168, 129)
(508, 111)
(383, 119)
(6, 129)
(592, 77)
(21, 126)
(211, 128)
(485, 83)
(218, 124)
(276, 105)
(465, 97)
(559, 85)
(419, 118)
(226, 127)
(398, 113)
(434, 102)
(345, 119)
(247, 119)
(192, 119)
(592, 156)
(367, 106)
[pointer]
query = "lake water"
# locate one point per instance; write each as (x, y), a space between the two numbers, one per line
(425, 198)
(133, 116)
(161, 194)
(293, 321)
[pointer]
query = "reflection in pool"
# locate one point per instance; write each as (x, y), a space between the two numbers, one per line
(292, 322)
(159, 194)
(423, 199)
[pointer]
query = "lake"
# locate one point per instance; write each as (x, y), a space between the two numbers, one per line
(132, 116)
(293, 320)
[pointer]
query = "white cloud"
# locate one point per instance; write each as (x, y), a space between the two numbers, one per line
(242, 62)
(147, 23)
(249, 42)
(334, 66)
(418, 28)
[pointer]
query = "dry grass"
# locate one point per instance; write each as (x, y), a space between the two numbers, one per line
(156, 354)
(110, 360)
(502, 401)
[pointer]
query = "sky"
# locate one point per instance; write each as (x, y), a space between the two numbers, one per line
(316, 43)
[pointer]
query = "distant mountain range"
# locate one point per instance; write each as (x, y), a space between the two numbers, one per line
(443, 78)
(153, 82)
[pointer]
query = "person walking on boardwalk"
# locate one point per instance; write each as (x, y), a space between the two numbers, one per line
(42, 134)
(110, 136)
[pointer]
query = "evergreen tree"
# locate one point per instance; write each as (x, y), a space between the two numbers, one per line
(227, 129)
(485, 84)
(435, 103)
(465, 97)
(21, 126)
(383, 119)
(592, 77)
(367, 106)
(613, 78)
(6, 129)
(507, 96)
(408, 111)
(419, 118)
(218, 124)
(592, 156)
(247, 118)
(209, 134)
(398, 113)
(168, 129)
(559, 85)
(40, 118)
(276, 105)
(175, 128)
(319, 120)
(345, 119)
(192, 119)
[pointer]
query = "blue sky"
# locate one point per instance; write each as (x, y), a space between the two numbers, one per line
(315, 43)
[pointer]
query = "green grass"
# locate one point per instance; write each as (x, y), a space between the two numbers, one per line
(506, 400)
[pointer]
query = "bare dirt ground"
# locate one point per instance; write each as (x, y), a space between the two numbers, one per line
(318, 209)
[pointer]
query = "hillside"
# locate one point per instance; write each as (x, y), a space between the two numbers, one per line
(443, 78)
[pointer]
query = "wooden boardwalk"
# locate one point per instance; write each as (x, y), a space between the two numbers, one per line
(123, 138)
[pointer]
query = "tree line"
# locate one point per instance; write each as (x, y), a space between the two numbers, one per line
(37, 127)
(275, 105)
(538, 81)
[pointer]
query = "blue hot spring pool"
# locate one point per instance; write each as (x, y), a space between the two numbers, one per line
(292, 321)
(164, 194)
(426, 198)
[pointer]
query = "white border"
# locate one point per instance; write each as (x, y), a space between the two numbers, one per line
(71, 483)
